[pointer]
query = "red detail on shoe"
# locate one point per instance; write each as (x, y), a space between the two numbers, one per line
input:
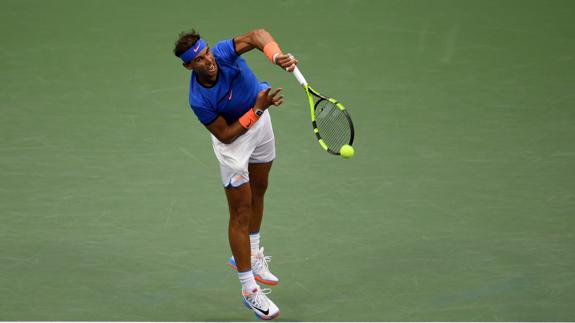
(267, 282)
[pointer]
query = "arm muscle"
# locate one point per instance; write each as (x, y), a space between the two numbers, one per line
(257, 38)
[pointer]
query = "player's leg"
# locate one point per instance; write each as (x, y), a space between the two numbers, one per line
(239, 203)
(259, 173)
(254, 298)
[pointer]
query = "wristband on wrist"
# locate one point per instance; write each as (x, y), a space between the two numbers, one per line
(272, 50)
(249, 118)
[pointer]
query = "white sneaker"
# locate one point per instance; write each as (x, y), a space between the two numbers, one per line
(260, 268)
(260, 304)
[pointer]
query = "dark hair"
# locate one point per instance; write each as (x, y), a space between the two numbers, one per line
(185, 41)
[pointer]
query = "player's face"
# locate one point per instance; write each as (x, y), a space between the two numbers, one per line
(204, 64)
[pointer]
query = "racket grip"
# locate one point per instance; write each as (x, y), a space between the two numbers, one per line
(299, 77)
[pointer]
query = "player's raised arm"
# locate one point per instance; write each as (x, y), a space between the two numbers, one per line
(263, 40)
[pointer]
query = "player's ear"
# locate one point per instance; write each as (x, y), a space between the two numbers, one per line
(187, 66)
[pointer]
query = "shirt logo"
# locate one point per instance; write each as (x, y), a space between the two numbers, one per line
(230, 96)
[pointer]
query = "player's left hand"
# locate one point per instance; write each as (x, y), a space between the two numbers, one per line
(286, 61)
(265, 99)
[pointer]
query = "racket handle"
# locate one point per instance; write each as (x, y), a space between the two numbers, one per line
(299, 77)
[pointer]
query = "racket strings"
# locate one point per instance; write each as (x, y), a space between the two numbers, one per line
(332, 124)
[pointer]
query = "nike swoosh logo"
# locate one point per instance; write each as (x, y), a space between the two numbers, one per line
(197, 47)
(249, 124)
(259, 309)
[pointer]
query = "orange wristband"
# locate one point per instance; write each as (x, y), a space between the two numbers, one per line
(271, 49)
(248, 119)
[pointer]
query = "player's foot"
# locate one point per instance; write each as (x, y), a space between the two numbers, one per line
(260, 268)
(258, 301)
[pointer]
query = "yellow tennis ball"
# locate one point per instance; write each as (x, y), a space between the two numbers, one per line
(346, 151)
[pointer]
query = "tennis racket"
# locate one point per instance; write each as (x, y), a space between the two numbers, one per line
(331, 123)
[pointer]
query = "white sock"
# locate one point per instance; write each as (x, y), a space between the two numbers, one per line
(255, 242)
(247, 280)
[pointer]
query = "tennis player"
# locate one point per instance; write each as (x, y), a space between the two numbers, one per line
(233, 105)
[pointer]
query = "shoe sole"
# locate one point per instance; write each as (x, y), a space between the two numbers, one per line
(257, 277)
(265, 318)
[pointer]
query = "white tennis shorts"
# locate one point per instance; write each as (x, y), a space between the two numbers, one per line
(257, 145)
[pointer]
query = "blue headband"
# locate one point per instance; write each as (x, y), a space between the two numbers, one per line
(188, 55)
